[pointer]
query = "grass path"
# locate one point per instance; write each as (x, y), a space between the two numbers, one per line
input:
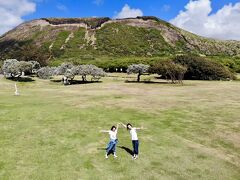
(51, 131)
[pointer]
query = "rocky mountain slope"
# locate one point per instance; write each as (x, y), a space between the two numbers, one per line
(51, 39)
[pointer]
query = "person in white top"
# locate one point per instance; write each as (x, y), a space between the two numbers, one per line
(111, 147)
(134, 137)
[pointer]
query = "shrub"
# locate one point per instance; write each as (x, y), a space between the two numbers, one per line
(138, 69)
(169, 69)
(66, 69)
(200, 68)
(45, 72)
(63, 68)
(94, 71)
(35, 66)
(14, 68)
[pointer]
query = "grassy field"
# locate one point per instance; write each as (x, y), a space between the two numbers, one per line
(51, 131)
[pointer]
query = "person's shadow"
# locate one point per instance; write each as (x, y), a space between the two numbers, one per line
(110, 152)
(129, 151)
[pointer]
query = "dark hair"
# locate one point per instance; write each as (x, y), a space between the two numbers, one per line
(113, 127)
(128, 125)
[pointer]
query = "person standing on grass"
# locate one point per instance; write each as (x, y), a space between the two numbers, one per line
(135, 142)
(113, 141)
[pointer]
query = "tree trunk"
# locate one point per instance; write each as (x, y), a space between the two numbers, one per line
(83, 78)
(138, 77)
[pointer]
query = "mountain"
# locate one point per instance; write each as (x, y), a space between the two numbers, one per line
(79, 40)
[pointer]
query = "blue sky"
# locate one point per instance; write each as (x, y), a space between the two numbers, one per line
(164, 9)
(211, 18)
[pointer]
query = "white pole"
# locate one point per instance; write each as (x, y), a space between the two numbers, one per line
(16, 90)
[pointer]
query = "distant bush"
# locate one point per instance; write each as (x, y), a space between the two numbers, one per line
(35, 66)
(1, 64)
(233, 63)
(137, 69)
(45, 72)
(199, 68)
(148, 18)
(65, 69)
(169, 69)
(92, 70)
(13, 68)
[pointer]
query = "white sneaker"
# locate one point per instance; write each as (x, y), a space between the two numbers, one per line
(115, 156)
(106, 156)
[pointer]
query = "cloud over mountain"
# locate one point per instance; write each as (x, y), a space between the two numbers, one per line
(128, 12)
(198, 18)
(12, 12)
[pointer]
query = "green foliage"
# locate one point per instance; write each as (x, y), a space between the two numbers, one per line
(122, 40)
(169, 69)
(203, 69)
(233, 63)
(58, 44)
(117, 44)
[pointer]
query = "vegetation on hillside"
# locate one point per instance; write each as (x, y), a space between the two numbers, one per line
(110, 44)
(90, 22)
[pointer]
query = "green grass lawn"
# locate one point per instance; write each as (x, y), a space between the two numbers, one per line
(51, 131)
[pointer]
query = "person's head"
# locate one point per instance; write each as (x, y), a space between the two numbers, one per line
(129, 126)
(113, 128)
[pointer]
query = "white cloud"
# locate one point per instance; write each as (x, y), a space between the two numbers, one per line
(127, 12)
(198, 18)
(12, 12)
(98, 2)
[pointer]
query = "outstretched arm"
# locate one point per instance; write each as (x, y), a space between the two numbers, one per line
(117, 127)
(140, 128)
(123, 125)
(104, 131)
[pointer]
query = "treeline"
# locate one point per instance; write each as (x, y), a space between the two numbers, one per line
(14, 69)
(176, 69)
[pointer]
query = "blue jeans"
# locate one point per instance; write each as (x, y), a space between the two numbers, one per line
(135, 144)
(112, 146)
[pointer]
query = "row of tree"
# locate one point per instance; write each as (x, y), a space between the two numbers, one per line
(184, 67)
(13, 68)
(69, 71)
(177, 69)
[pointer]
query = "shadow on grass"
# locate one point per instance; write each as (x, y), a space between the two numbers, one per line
(104, 149)
(22, 79)
(74, 82)
(129, 151)
(147, 82)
